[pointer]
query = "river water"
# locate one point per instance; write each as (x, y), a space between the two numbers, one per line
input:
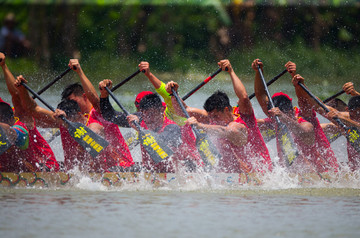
(281, 207)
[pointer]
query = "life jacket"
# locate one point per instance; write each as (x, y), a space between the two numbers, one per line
(256, 143)
(41, 151)
(118, 154)
(15, 159)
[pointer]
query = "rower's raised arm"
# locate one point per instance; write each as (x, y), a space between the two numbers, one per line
(145, 66)
(244, 103)
(350, 89)
(44, 117)
(10, 83)
(259, 88)
(88, 87)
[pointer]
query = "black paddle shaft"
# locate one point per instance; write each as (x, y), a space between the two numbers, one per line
(126, 80)
(268, 94)
(271, 81)
(201, 84)
(334, 96)
(52, 82)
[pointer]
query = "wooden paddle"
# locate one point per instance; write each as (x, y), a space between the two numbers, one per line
(156, 147)
(53, 82)
(287, 144)
(126, 80)
(352, 133)
(333, 96)
(202, 84)
(89, 140)
(4, 142)
(207, 150)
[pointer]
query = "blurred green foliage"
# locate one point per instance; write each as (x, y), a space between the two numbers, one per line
(111, 39)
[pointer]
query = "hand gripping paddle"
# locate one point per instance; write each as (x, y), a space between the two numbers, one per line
(207, 150)
(352, 133)
(89, 140)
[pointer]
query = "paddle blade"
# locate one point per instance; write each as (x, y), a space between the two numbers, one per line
(332, 138)
(287, 145)
(353, 136)
(207, 150)
(89, 140)
(156, 147)
(268, 135)
(4, 142)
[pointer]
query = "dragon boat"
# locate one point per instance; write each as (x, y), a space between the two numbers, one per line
(118, 179)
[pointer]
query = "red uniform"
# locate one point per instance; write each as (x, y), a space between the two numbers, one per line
(251, 157)
(41, 152)
(119, 154)
(256, 141)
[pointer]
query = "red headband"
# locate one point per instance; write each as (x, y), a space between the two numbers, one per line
(140, 96)
(281, 94)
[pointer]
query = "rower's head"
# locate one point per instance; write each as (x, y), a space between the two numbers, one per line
(283, 102)
(6, 113)
(218, 108)
(72, 109)
(152, 110)
(354, 108)
(338, 104)
(139, 97)
(76, 92)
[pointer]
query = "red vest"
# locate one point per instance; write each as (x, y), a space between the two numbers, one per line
(262, 160)
(41, 151)
(13, 160)
(119, 154)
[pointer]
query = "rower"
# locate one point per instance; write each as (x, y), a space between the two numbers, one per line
(14, 137)
(41, 157)
(88, 100)
(319, 153)
(236, 141)
(304, 135)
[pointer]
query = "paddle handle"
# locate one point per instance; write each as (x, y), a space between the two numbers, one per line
(201, 84)
(126, 80)
(268, 93)
(334, 96)
(271, 81)
(321, 104)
